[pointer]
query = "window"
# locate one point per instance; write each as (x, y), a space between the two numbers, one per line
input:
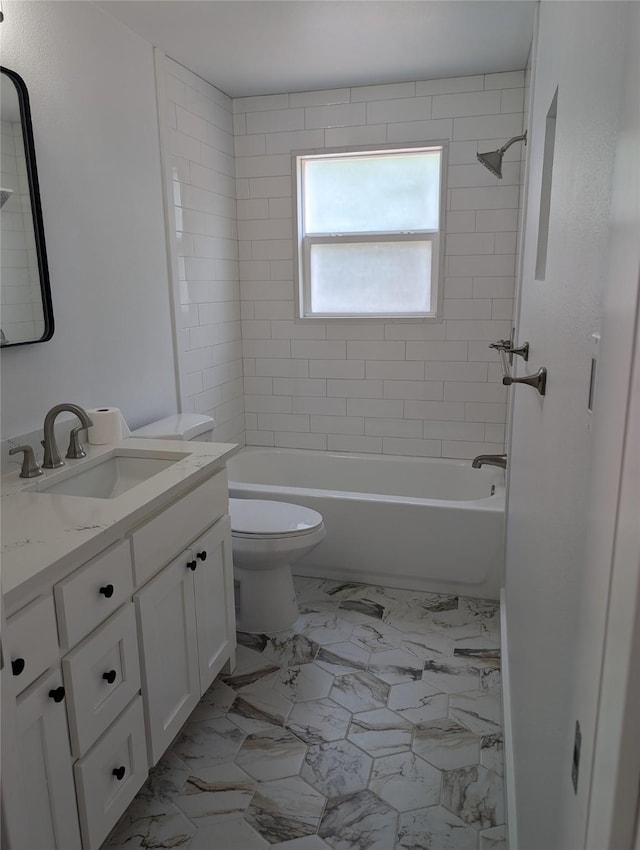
(369, 228)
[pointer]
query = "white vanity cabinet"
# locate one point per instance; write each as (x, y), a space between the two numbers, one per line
(187, 633)
(104, 662)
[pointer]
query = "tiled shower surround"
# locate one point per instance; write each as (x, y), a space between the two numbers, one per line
(428, 388)
(374, 724)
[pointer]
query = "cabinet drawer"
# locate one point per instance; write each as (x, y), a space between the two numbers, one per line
(32, 641)
(92, 593)
(162, 538)
(102, 796)
(101, 675)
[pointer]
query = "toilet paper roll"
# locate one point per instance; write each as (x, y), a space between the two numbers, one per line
(108, 426)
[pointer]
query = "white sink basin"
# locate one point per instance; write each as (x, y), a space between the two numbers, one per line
(108, 478)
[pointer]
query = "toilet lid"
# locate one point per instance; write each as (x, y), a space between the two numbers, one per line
(265, 518)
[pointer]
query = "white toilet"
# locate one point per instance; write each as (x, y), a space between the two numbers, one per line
(267, 537)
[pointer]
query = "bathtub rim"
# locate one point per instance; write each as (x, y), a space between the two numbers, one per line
(493, 502)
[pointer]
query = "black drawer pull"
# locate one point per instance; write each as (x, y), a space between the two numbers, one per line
(107, 591)
(202, 555)
(119, 772)
(110, 676)
(17, 666)
(57, 694)
(192, 565)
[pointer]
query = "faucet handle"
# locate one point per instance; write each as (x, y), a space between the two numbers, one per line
(75, 449)
(30, 468)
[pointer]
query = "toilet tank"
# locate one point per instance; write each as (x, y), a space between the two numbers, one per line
(181, 426)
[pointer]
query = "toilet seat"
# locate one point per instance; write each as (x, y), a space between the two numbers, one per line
(262, 519)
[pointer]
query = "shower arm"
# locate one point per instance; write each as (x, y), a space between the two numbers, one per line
(507, 145)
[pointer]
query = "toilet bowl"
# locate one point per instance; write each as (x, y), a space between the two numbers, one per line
(267, 537)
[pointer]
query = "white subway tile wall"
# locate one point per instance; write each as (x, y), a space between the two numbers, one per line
(202, 162)
(410, 388)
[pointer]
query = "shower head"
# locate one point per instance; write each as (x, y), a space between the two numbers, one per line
(493, 159)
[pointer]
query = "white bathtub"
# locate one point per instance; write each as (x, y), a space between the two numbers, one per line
(416, 523)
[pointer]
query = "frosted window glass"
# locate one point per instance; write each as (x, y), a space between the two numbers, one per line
(372, 193)
(371, 277)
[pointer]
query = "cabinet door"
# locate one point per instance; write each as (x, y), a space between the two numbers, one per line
(38, 788)
(215, 608)
(166, 614)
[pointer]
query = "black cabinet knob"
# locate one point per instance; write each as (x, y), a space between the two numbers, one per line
(192, 565)
(110, 676)
(17, 666)
(202, 555)
(107, 591)
(119, 772)
(57, 694)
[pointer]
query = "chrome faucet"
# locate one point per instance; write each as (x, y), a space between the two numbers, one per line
(52, 459)
(489, 460)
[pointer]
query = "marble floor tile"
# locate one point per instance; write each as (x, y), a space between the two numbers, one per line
(406, 781)
(212, 742)
(318, 721)
(374, 723)
(229, 834)
(336, 768)
(140, 830)
(475, 795)
(418, 702)
(446, 744)
(360, 820)
(273, 754)
(480, 711)
(395, 666)
(380, 732)
(360, 692)
(303, 683)
(435, 828)
(494, 838)
(224, 791)
(341, 658)
(284, 809)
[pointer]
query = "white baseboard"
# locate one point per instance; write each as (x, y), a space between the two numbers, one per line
(509, 767)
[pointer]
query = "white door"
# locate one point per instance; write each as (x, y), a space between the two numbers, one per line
(169, 652)
(578, 70)
(39, 799)
(214, 600)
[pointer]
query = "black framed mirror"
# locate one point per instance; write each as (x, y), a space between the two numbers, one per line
(26, 313)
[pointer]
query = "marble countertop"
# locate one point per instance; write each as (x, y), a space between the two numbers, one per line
(42, 532)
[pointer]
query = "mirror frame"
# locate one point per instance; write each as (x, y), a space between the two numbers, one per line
(36, 209)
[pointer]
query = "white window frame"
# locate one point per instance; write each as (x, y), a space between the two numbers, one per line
(304, 241)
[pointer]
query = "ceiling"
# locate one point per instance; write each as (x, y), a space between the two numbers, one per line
(257, 47)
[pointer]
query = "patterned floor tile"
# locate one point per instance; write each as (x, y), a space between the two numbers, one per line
(435, 829)
(336, 768)
(284, 809)
(224, 791)
(359, 820)
(418, 702)
(475, 794)
(380, 732)
(360, 692)
(318, 721)
(446, 744)
(324, 732)
(271, 755)
(406, 781)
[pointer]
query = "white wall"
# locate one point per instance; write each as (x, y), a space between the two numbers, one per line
(579, 51)
(92, 91)
(201, 161)
(429, 388)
